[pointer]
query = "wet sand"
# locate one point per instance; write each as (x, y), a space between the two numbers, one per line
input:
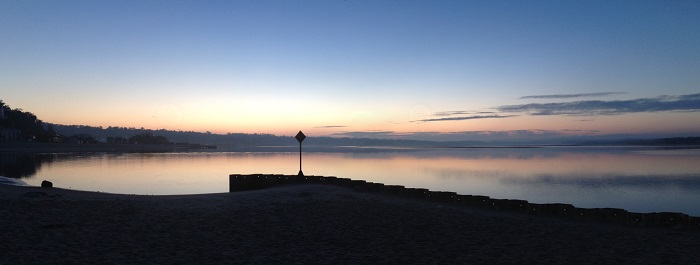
(308, 224)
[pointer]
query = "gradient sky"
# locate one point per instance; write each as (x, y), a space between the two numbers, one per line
(445, 70)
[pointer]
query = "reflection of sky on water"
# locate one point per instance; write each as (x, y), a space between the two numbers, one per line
(637, 179)
(677, 193)
(690, 182)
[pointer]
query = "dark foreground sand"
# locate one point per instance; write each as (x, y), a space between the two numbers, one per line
(309, 224)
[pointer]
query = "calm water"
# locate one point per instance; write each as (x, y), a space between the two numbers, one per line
(636, 179)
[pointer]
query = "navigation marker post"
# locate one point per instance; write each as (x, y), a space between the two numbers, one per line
(300, 137)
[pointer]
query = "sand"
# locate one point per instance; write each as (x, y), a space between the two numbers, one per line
(308, 224)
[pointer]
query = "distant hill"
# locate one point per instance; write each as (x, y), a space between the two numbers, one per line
(230, 139)
(255, 140)
(101, 134)
(674, 141)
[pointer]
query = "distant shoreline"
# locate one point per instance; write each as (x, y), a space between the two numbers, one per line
(35, 147)
(38, 147)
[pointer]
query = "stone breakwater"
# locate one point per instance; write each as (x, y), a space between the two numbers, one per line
(244, 182)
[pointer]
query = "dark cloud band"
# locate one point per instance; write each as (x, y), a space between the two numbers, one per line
(581, 95)
(452, 113)
(462, 118)
(599, 107)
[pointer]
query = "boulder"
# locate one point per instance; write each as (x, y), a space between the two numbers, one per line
(46, 184)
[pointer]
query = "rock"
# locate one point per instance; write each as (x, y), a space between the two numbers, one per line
(46, 184)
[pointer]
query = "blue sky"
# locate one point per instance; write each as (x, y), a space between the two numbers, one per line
(402, 69)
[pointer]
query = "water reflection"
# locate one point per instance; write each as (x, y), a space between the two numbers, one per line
(637, 179)
(687, 182)
(15, 165)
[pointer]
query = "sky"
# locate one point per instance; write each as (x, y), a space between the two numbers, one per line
(430, 70)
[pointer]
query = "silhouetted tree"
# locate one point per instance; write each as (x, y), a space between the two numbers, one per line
(27, 123)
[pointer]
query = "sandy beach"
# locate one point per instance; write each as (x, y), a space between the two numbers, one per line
(308, 224)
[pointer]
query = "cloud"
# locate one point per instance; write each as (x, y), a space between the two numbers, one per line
(452, 113)
(369, 134)
(330, 126)
(462, 118)
(581, 95)
(598, 107)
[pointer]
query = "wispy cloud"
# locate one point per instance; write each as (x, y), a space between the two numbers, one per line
(599, 107)
(369, 134)
(461, 112)
(581, 95)
(462, 118)
(330, 126)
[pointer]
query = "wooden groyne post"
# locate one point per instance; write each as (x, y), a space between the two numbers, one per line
(246, 182)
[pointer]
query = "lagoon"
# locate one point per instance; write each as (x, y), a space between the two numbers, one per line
(638, 179)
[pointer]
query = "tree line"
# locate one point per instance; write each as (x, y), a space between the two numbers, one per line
(25, 126)
(30, 127)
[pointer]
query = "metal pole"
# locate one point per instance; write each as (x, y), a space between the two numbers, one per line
(300, 172)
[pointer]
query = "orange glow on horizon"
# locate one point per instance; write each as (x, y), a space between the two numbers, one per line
(324, 120)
